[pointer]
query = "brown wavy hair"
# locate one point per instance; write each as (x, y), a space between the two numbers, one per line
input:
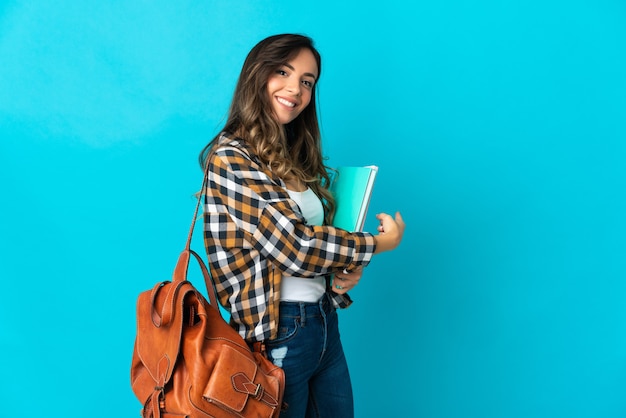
(291, 151)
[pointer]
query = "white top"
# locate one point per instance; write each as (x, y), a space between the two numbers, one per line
(299, 289)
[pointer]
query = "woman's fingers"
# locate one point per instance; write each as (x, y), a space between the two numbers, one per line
(343, 282)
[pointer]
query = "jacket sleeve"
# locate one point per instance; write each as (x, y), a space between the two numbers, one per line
(271, 223)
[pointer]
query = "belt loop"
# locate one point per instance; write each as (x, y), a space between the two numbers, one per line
(326, 303)
(302, 315)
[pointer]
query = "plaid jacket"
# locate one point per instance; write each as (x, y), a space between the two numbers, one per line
(254, 233)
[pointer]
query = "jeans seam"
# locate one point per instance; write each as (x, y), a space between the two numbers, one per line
(325, 321)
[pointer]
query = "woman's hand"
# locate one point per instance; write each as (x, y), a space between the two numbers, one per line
(390, 232)
(343, 282)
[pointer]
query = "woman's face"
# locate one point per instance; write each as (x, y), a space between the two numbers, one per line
(290, 87)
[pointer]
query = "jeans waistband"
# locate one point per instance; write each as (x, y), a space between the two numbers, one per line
(307, 309)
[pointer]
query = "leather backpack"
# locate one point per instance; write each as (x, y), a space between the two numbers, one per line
(188, 362)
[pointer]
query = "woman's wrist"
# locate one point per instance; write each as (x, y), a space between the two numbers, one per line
(384, 243)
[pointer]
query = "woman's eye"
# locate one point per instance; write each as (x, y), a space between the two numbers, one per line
(281, 72)
(307, 83)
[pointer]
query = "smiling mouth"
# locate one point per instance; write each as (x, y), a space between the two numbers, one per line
(286, 102)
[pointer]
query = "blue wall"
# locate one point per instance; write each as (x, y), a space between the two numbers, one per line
(500, 130)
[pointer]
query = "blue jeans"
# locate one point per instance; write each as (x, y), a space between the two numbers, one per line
(308, 348)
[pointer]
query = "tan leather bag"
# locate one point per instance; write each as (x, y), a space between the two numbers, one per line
(188, 362)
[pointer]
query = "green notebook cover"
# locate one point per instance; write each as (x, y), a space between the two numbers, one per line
(352, 189)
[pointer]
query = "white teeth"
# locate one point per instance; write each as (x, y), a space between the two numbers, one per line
(285, 102)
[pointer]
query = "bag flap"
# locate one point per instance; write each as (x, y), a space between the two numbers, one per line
(231, 382)
(158, 340)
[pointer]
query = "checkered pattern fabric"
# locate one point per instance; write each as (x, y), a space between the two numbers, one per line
(254, 233)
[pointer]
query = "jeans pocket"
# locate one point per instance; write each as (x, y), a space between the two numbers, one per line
(287, 329)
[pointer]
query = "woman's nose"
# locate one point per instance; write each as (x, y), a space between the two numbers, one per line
(293, 86)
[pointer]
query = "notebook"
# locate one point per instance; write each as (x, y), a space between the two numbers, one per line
(352, 189)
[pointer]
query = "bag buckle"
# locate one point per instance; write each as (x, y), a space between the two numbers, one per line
(161, 397)
(258, 391)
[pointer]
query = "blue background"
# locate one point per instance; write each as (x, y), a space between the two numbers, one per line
(500, 132)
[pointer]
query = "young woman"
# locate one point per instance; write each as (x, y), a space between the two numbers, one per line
(266, 221)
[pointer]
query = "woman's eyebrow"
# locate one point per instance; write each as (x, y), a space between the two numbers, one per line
(306, 74)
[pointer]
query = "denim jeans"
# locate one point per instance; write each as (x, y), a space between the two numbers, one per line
(308, 348)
